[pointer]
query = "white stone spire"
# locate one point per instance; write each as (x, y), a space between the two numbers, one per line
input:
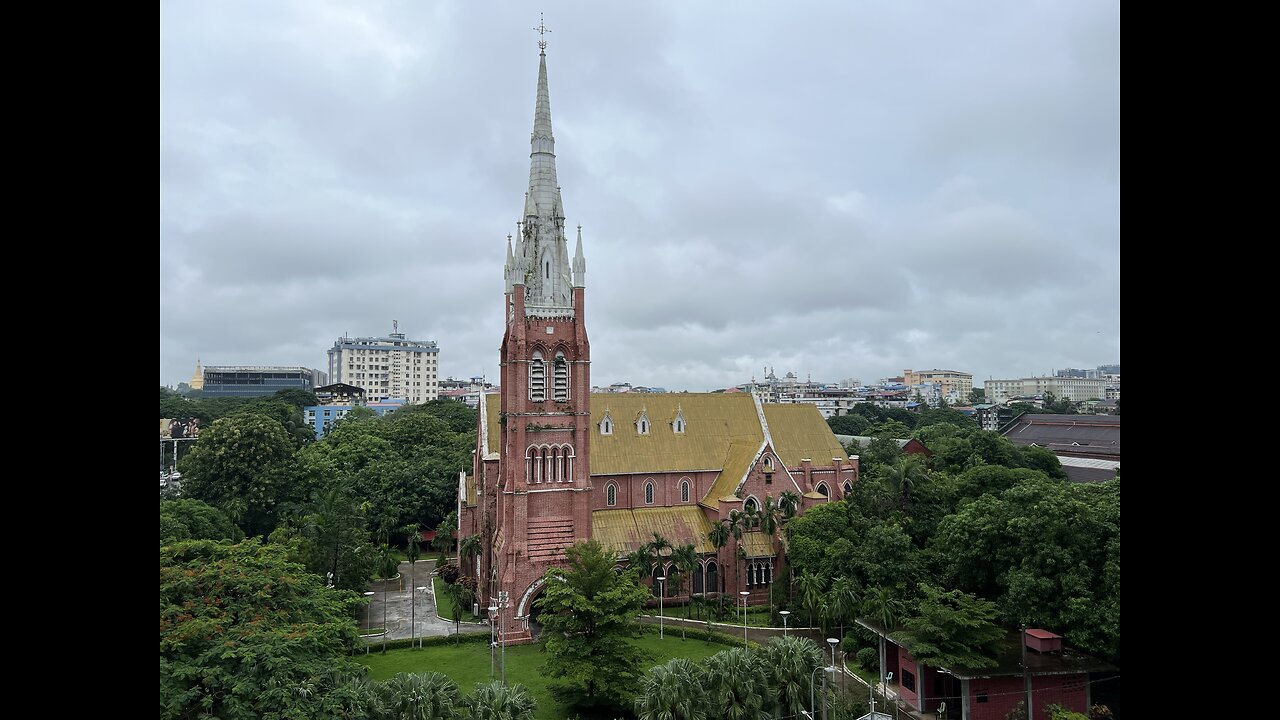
(541, 254)
(579, 264)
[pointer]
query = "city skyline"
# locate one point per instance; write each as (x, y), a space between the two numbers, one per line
(833, 191)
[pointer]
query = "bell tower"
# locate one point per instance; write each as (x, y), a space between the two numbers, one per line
(544, 488)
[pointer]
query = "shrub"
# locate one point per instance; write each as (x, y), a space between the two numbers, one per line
(448, 573)
(868, 658)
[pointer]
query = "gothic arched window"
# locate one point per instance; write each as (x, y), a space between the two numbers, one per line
(537, 378)
(648, 493)
(684, 491)
(560, 369)
(611, 495)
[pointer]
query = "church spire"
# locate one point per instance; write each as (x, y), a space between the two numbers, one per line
(579, 263)
(541, 252)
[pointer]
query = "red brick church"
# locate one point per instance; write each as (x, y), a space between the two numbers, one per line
(555, 465)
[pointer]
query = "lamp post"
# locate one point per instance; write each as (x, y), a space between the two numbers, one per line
(884, 689)
(1026, 675)
(661, 591)
(492, 645)
(502, 631)
(784, 614)
(833, 642)
(813, 706)
(744, 595)
(368, 623)
(419, 589)
(384, 615)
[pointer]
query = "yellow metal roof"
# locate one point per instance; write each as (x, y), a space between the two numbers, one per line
(757, 544)
(471, 490)
(626, 530)
(798, 432)
(493, 407)
(713, 421)
(737, 459)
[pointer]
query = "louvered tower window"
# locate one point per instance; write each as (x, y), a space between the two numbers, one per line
(561, 389)
(537, 378)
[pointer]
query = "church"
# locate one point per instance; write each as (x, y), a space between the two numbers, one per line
(555, 465)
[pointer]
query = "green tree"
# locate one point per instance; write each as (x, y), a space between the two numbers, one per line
(952, 628)
(791, 662)
(737, 681)
(718, 536)
(842, 602)
(194, 520)
(851, 424)
(412, 551)
(587, 614)
(883, 605)
(977, 396)
(246, 633)
(242, 465)
(499, 701)
(297, 397)
(457, 416)
(811, 588)
(685, 558)
(419, 696)
(903, 476)
(332, 536)
(460, 596)
(469, 548)
(673, 691)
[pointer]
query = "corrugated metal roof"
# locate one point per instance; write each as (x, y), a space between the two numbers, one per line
(493, 410)
(625, 530)
(713, 421)
(737, 459)
(799, 431)
(757, 544)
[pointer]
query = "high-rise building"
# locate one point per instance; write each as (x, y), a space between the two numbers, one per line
(387, 367)
(258, 380)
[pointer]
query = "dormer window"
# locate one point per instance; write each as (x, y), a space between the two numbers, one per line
(678, 424)
(537, 378)
(768, 463)
(560, 389)
(642, 423)
(606, 425)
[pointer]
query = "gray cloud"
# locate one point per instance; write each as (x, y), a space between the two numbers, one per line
(841, 191)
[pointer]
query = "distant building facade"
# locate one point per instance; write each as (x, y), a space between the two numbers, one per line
(258, 380)
(387, 367)
(1088, 446)
(322, 417)
(1069, 388)
(950, 382)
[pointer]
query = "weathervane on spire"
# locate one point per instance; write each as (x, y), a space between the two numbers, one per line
(542, 33)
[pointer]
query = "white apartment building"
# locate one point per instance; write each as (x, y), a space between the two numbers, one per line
(1073, 389)
(387, 367)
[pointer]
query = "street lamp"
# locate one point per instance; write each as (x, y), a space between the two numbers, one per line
(368, 623)
(833, 642)
(492, 645)
(744, 595)
(419, 589)
(784, 614)
(661, 591)
(813, 706)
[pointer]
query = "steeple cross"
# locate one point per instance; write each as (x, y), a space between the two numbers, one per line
(542, 33)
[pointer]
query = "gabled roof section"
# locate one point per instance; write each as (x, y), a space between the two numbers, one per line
(625, 530)
(737, 461)
(799, 432)
(715, 422)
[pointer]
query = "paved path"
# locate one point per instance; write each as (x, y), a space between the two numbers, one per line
(398, 607)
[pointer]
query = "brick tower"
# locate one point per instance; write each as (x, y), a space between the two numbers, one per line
(543, 489)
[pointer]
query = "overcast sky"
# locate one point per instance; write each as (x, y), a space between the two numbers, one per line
(838, 189)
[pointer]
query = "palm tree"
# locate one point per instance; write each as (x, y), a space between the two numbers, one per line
(792, 661)
(685, 558)
(770, 520)
(468, 549)
(811, 587)
(498, 701)
(412, 550)
(718, 536)
(673, 691)
(789, 502)
(842, 602)
(460, 596)
(882, 605)
(640, 562)
(736, 681)
(419, 696)
(903, 476)
(656, 546)
(739, 522)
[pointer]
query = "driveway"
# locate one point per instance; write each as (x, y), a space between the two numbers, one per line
(399, 611)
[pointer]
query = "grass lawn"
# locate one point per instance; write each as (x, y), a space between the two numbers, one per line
(444, 605)
(468, 664)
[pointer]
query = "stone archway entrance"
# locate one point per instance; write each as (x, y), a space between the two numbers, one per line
(528, 609)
